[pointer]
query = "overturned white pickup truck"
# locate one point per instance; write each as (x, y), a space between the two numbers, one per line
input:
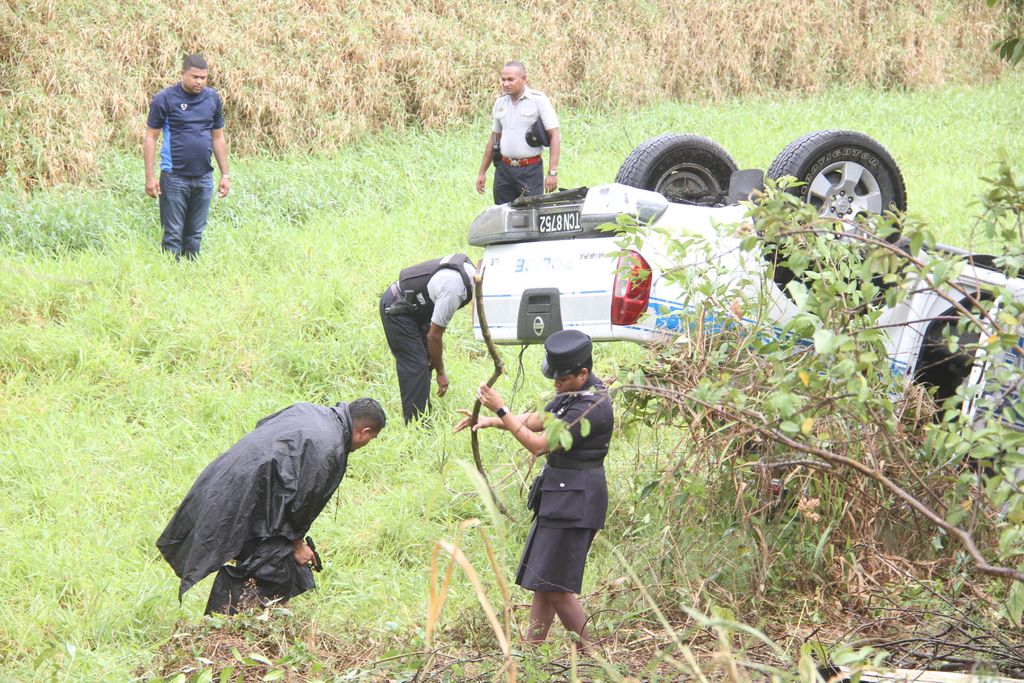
(548, 266)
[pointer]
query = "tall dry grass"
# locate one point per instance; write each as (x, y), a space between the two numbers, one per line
(311, 75)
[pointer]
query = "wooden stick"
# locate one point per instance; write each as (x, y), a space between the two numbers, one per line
(499, 369)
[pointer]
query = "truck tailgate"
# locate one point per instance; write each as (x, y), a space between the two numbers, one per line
(532, 289)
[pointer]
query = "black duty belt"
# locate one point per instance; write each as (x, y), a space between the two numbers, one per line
(565, 462)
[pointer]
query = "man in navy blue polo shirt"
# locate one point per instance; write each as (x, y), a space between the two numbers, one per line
(190, 116)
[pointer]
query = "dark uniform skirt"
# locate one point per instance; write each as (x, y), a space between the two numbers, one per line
(553, 559)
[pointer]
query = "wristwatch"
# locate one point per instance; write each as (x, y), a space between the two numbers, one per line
(501, 412)
(553, 171)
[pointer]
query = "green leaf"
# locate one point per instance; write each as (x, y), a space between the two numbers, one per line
(847, 657)
(956, 513)
(205, 676)
(799, 293)
(916, 242)
(864, 390)
(825, 342)
(1011, 49)
(799, 262)
(565, 440)
(584, 428)
(1016, 513)
(46, 653)
(749, 242)
(1018, 52)
(275, 675)
(1014, 606)
(868, 357)
(648, 488)
(1007, 319)
(1011, 542)
(807, 668)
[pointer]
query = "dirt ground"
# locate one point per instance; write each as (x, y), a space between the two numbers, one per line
(277, 644)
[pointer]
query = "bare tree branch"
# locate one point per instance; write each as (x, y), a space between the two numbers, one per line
(499, 369)
(965, 538)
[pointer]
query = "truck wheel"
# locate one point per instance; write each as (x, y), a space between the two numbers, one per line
(683, 168)
(939, 367)
(844, 173)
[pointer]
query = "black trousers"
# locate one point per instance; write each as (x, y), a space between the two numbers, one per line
(513, 182)
(407, 339)
(265, 570)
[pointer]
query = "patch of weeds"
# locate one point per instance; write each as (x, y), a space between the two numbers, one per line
(270, 644)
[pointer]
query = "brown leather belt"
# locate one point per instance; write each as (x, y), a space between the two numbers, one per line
(528, 161)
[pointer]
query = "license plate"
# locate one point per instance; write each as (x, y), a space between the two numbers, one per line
(559, 221)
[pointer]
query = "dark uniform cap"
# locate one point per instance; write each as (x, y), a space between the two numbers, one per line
(567, 350)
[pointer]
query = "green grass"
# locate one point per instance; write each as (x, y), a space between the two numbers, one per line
(124, 373)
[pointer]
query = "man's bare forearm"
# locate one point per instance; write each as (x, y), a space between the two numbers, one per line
(435, 349)
(555, 150)
(220, 151)
(149, 153)
(488, 154)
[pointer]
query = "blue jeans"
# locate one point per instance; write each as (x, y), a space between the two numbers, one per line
(184, 204)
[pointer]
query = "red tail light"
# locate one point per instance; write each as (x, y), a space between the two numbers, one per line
(632, 289)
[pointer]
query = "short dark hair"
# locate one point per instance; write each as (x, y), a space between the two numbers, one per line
(194, 62)
(517, 65)
(367, 413)
(588, 366)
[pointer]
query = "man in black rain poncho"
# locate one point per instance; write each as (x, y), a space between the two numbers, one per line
(255, 503)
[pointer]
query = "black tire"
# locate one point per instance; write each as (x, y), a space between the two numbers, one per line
(683, 168)
(939, 367)
(844, 173)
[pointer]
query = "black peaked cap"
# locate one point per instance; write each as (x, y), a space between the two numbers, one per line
(566, 351)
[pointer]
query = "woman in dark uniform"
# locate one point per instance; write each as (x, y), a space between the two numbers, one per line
(573, 492)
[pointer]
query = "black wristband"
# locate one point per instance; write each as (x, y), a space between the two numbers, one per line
(501, 412)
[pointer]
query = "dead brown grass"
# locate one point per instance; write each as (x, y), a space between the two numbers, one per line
(312, 75)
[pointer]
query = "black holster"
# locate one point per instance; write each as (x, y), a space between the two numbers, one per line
(399, 307)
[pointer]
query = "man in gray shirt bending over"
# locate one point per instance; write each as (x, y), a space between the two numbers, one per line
(415, 311)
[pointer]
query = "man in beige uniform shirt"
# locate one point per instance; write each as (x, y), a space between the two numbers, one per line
(519, 168)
